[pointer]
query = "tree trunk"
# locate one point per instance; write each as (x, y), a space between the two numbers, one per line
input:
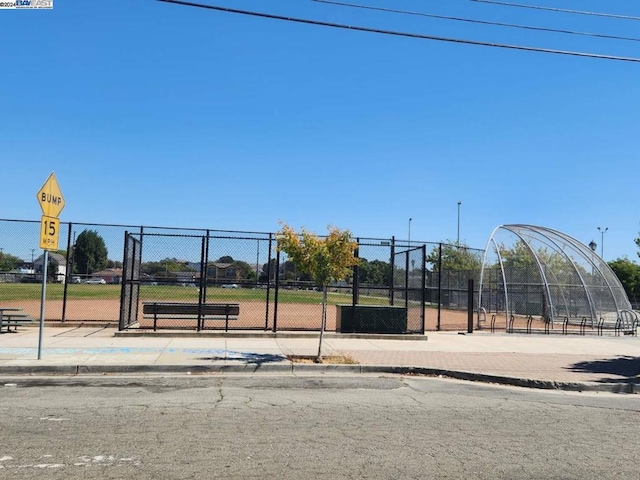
(323, 324)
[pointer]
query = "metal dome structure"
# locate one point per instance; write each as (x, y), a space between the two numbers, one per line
(540, 272)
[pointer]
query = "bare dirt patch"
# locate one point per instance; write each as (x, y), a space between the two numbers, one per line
(326, 359)
(253, 315)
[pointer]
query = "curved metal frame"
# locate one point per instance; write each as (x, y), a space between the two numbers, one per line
(584, 285)
(558, 242)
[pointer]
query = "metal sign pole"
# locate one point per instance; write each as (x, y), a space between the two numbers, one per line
(42, 300)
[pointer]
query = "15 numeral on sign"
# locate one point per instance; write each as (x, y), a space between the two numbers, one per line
(49, 233)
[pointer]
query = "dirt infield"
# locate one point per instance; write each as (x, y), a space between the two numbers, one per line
(253, 315)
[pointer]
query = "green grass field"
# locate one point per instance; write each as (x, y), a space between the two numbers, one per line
(55, 291)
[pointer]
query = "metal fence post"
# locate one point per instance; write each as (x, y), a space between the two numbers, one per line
(356, 273)
(406, 281)
(439, 284)
(266, 315)
(424, 287)
(125, 268)
(203, 276)
(69, 268)
(392, 263)
(470, 306)
(275, 295)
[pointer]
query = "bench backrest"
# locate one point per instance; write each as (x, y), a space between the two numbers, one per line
(191, 308)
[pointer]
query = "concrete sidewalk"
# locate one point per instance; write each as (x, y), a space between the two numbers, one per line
(605, 363)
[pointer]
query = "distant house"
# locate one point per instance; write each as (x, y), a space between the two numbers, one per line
(110, 275)
(223, 272)
(57, 261)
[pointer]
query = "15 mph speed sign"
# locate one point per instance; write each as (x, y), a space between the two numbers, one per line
(51, 202)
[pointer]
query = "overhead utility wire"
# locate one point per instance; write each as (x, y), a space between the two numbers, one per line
(483, 22)
(402, 34)
(561, 10)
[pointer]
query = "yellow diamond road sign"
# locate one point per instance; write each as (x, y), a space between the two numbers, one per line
(50, 197)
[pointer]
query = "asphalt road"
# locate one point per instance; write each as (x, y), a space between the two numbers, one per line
(308, 427)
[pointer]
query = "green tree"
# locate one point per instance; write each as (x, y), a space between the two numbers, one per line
(375, 272)
(166, 268)
(327, 260)
(628, 273)
(454, 257)
(114, 264)
(268, 267)
(518, 255)
(90, 253)
(9, 262)
(246, 271)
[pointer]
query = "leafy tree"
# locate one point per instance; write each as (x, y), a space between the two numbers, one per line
(268, 267)
(90, 253)
(166, 268)
(558, 267)
(517, 256)
(327, 260)
(628, 273)
(225, 259)
(454, 257)
(375, 272)
(114, 264)
(245, 270)
(9, 262)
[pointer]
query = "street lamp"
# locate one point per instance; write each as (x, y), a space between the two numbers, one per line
(602, 232)
(592, 245)
(410, 232)
(459, 203)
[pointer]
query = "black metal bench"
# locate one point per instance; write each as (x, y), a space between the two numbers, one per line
(191, 311)
(13, 317)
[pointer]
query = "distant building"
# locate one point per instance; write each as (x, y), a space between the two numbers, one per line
(110, 275)
(57, 261)
(223, 272)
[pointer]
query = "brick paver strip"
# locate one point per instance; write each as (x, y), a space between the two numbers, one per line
(552, 367)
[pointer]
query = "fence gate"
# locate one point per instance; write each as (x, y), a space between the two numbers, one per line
(409, 283)
(130, 281)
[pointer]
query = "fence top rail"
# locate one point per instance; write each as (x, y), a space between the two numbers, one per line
(202, 235)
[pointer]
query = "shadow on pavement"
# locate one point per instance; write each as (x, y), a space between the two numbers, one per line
(626, 367)
(248, 358)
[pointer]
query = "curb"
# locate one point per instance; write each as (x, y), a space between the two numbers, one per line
(253, 334)
(304, 368)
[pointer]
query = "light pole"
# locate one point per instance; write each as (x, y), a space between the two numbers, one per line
(459, 203)
(602, 230)
(410, 232)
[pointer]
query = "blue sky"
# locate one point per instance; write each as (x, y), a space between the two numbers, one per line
(156, 114)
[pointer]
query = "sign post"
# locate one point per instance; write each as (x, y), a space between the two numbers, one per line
(51, 202)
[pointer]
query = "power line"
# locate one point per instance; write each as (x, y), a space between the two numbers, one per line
(402, 34)
(561, 10)
(483, 22)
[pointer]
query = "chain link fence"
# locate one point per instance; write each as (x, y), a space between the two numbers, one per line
(206, 266)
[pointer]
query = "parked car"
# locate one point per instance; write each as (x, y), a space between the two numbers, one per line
(96, 281)
(230, 285)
